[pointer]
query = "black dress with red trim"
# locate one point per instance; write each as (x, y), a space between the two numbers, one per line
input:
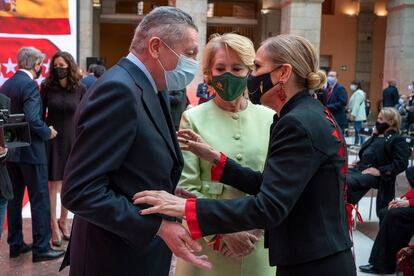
(298, 199)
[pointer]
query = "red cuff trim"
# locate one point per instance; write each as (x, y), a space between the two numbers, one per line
(411, 200)
(217, 242)
(217, 170)
(191, 217)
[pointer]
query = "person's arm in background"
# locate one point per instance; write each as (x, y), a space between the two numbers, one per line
(176, 97)
(31, 109)
(400, 154)
(3, 154)
(342, 99)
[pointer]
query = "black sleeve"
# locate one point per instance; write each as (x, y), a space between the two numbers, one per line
(106, 127)
(400, 154)
(282, 185)
(241, 178)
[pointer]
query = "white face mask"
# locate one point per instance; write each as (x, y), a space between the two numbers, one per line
(183, 73)
(401, 101)
(410, 87)
(353, 87)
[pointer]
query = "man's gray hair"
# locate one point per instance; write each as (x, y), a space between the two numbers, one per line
(167, 23)
(28, 57)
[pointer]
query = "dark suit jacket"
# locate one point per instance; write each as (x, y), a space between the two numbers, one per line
(25, 98)
(298, 199)
(6, 189)
(390, 96)
(88, 81)
(337, 104)
(123, 145)
(391, 160)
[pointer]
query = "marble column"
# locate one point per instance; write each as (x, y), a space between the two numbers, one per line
(366, 20)
(399, 43)
(302, 17)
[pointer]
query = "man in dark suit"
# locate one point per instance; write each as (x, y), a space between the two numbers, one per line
(125, 142)
(390, 95)
(6, 190)
(27, 166)
(337, 99)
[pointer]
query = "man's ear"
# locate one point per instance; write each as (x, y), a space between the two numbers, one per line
(154, 44)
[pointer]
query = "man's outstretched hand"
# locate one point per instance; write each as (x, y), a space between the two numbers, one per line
(180, 243)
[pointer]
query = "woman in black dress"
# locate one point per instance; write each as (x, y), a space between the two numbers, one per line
(61, 94)
(299, 199)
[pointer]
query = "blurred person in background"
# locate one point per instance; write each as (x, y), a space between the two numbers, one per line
(178, 104)
(61, 93)
(90, 78)
(390, 95)
(230, 123)
(337, 99)
(357, 109)
(384, 155)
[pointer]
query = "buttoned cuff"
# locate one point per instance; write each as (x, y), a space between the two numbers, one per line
(191, 217)
(217, 170)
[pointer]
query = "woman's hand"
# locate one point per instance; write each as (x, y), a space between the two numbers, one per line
(372, 171)
(162, 203)
(399, 203)
(191, 141)
(239, 244)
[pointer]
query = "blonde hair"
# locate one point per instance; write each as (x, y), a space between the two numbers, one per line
(240, 44)
(298, 52)
(392, 116)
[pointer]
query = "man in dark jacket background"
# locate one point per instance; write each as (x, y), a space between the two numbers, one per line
(390, 95)
(27, 166)
(337, 99)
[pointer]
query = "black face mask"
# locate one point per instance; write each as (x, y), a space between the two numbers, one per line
(381, 127)
(61, 73)
(258, 85)
(38, 73)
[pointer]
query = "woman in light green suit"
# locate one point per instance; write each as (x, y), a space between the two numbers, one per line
(232, 124)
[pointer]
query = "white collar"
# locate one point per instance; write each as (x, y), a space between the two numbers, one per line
(27, 72)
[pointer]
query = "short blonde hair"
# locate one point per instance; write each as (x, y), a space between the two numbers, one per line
(240, 44)
(392, 116)
(298, 52)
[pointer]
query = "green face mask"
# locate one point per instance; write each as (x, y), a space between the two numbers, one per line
(229, 86)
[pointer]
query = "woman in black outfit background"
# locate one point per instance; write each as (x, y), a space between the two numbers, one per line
(299, 198)
(381, 158)
(61, 94)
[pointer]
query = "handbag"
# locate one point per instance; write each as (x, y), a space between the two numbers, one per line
(405, 260)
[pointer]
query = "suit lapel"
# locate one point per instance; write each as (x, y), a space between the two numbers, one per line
(151, 102)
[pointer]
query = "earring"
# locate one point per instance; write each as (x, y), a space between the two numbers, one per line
(282, 93)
